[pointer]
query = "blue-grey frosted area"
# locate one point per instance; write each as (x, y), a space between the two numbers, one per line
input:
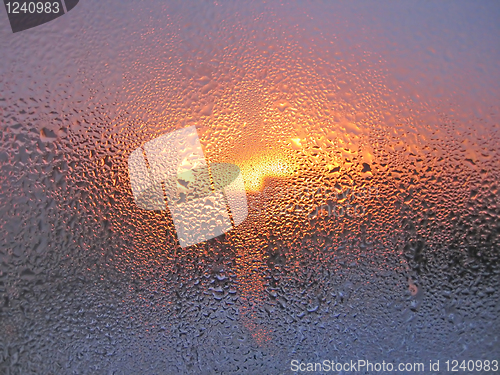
(367, 136)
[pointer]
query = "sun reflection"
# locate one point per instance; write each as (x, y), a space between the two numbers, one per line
(255, 170)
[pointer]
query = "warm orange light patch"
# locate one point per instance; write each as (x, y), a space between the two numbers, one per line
(256, 169)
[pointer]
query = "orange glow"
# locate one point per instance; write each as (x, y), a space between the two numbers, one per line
(257, 169)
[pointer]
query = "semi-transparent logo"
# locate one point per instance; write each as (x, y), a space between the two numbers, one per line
(171, 171)
(24, 15)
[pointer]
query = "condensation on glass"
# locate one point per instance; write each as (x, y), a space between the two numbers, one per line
(365, 136)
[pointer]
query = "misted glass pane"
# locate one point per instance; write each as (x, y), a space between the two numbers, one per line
(194, 187)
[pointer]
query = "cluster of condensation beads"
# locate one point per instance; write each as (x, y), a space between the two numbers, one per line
(373, 200)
